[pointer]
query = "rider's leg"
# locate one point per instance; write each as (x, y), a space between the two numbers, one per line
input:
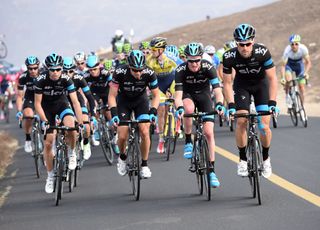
(189, 108)
(123, 132)
(145, 141)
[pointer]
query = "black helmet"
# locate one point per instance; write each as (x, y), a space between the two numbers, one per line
(244, 32)
(158, 42)
(136, 59)
(193, 49)
(53, 60)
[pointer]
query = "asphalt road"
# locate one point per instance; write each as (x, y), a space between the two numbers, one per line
(169, 200)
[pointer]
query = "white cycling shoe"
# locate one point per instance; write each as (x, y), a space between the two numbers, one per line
(122, 167)
(145, 172)
(86, 151)
(267, 169)
(49, 185)
(242, 168)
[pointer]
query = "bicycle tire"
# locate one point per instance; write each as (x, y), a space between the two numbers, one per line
(59, 176)
(220, 120)
(6, 112)
(206, 168)
(135, 163)
(105, 144)
(250, 169)
(199, 174)
(36, 152)
(302, 112)
(71, 180)
(151, 132)
(3, 50)
(274, 122)
(168, 138)
(293, 112)
(256, 172)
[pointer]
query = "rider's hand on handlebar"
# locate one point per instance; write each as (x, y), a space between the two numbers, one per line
(115, 121)
(231, 109)
(153, 115)
(179, 112)
(45, 125)
(273, 108)
(220, 109)
(19, 115)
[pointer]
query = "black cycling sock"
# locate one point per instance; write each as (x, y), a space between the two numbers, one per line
(188, 138)
(123, 156)
(265, 153)
(242, 153)
(28, 137)
(144, 163)
(85, 140)
(211, 169)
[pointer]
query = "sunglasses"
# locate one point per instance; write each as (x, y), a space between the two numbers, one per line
(194, 60)
(136, 70)
(55, 70)
(146, 52)
(69, 71)
(81, 63)
(245, 44)
(294, 44)
(34, 68)
(93, 69)
(156, 49)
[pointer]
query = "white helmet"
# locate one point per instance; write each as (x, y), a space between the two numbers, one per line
(210, 49)
(118, 33)
(80, 56)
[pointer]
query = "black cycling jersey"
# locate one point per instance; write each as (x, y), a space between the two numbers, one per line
(27, 82)
(129, 86)
(199, 82)
(248, 69)
(80, 82)
(99, 85)
(54, 91)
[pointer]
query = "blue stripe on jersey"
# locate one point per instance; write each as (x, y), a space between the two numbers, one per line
(66, 112)
(262, 108)
(155, 82)
(84, 110)
(214, 81)
(208, 117)
(109, 78)
(71, 87)
(85, 89)
(268, 62)
(143, 117)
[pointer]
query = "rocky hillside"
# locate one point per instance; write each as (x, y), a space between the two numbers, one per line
(274, 24)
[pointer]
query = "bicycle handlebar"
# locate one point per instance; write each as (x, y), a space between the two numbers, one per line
(128, 122)
(247, 115)
(200, 114)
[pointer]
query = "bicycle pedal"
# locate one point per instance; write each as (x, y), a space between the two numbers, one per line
(191, 169)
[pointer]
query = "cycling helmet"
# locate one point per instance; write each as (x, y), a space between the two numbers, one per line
(172, 50)
(193, 49)
(92, 61)
(108, 64)
(119, 47)
(144, 45)
(32, 60)
(80, 56)
(118, 33)
(244, 32)
(295, 38)
(181, 50)
(136, 59)
(127, 48)
(210, 49)
(158, 42)
(68, 63)
(229, 45)
(53, 60)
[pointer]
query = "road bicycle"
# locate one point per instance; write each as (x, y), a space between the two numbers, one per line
(170, 133)
(200, 161)
(253, 151)
(297, 109)
(37, 142)
(133, 153)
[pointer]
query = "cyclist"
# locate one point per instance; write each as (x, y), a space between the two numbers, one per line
(98, 80)
(118, 39)
(120, 57)
(80, 60)
(181, 53)
(193, 80)
(256, 76)
(128, 94)
(109, 65)
(211, 50)
(25, 97)
(127, 47)
(69, 68)
(228, 45)
(172, 52)
(4, 91)
(164, 68)
(51, 100)
(144, 46)
(296, 60)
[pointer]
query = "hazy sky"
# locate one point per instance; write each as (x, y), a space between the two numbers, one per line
(38, 27)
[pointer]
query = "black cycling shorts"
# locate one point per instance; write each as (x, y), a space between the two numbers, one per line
(103, 97)
(259, 90)
(28, 103)
(62, 109)
(202, 102)
(140, 107)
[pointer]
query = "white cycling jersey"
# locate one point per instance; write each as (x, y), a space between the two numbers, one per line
(295, 56)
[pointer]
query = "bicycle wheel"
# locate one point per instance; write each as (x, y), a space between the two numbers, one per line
(256, 158)
(274, 122)
(195, 161)
(134, 159)
(6, 111)
(36, 152)
(220, 121)
(293, 112)
(151, 132)
(3, 50)
(71, 180)
(79, 164)
(169, 139)
(59, 176)
(105, 144)
(302, 112)
(206, 168)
